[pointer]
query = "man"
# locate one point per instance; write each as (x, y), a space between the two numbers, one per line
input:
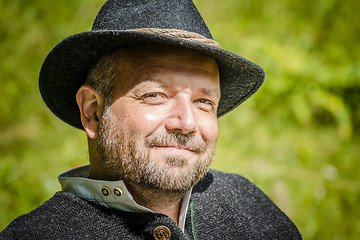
(147, 85)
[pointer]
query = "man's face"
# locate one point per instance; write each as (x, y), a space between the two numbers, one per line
(160, 130)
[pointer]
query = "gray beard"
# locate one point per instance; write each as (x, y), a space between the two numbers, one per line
(126, 157)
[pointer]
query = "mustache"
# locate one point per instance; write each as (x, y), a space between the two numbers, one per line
(187, 141)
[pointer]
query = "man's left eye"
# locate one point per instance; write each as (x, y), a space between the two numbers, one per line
(205, 104)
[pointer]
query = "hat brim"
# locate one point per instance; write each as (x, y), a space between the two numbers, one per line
(66, 67)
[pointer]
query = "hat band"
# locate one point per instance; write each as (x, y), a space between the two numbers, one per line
(180, 34)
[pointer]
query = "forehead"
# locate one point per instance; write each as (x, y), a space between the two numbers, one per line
(151, 62)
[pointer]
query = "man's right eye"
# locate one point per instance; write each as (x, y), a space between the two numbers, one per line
(150, 95)
(153, 98)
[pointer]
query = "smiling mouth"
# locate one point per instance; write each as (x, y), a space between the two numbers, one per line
(176, 148)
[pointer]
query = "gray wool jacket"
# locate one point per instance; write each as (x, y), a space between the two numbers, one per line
(222, 206)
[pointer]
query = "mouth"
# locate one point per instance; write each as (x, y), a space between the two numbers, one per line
(174, 147)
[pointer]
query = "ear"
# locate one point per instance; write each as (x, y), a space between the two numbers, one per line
(90, 105)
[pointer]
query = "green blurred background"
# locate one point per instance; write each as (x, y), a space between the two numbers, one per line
(297, 138)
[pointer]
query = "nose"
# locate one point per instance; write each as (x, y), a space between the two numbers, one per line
(181, 117)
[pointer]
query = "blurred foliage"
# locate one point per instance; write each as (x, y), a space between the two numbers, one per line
(297, 138)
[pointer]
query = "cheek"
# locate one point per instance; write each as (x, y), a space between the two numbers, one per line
(209, 129)
(144, 122)
(150, 117)
(136, 117)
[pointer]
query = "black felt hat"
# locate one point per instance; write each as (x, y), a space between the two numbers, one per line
(123, 23)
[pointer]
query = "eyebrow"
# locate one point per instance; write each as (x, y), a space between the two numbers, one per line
(213, 92)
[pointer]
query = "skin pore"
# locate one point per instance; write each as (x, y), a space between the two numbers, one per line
(159, 133)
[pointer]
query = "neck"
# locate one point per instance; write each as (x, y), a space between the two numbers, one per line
(159, 201)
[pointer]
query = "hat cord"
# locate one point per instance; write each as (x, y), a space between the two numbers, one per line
(180, 34)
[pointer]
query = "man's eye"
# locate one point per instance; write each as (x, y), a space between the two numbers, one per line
(153, 98)
(150, 95)
(205, 104)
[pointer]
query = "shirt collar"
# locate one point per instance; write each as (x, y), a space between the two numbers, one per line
(111, 194)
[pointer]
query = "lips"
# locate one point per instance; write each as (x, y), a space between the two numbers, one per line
(176, 147)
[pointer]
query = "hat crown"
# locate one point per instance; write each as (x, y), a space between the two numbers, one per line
(134, 14)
